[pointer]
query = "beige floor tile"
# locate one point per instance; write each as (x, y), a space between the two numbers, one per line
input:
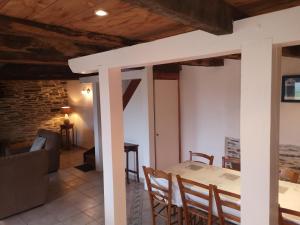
(48, 219)
(34, 214)
(66, 212)
(96, 212)
(76, 198)
(86, 203)
(79, 219)
(98, 222)
(93, 192)
(14, 220)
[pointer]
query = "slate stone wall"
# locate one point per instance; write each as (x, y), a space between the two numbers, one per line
(289, 155)
(26, 106)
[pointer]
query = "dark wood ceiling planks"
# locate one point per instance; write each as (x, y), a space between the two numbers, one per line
(213, 16)
(68, 29)
(257, 7)
(124, 19)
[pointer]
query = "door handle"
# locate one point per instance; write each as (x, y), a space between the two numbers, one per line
(157, 135)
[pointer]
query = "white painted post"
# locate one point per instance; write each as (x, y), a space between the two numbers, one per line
(259, 133)
(112, 146)
(97, 126)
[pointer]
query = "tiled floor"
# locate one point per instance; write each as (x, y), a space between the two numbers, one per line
(71, 158)
(76, 198)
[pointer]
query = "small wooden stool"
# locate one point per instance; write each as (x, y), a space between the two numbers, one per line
(128, 147)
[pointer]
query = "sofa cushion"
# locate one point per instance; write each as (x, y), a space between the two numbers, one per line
(38, 144)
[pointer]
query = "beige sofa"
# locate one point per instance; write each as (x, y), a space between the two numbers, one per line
(23, 182)
(52, 145)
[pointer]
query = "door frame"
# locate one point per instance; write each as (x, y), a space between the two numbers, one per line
(167, 76)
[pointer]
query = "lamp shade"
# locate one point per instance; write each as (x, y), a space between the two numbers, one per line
(66, 110)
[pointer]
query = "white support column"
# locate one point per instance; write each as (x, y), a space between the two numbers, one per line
(97, 126)
(113, 146)
(259, 132)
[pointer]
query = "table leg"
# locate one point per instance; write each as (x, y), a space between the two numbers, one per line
(127, 168)
(73, 137)
(68, 138)
(61, 138)
(137, 166)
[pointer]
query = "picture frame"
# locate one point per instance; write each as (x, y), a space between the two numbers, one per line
(290, 88)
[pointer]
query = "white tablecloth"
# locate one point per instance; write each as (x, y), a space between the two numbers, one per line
(229, 180)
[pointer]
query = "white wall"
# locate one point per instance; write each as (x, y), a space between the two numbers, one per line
(210, 107)
(290, 112)
(138, 117)
(82, 115)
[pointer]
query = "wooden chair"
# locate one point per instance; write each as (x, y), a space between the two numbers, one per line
(282, 220)
(210, 158)
(225, 199)
(197, 206)
(161, 196)
(288, 174)
(231, 163)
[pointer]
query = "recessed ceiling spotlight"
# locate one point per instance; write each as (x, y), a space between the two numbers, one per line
(101, 12)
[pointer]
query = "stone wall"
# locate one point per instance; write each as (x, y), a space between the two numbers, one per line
(289, 155)
(26, 106)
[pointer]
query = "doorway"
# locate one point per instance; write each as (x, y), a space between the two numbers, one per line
(167, 134)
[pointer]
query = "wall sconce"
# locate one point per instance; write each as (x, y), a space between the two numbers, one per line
(86, 91)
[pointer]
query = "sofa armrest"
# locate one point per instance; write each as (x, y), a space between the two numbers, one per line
(24, 182)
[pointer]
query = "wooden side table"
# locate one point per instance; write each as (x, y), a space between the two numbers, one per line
(67, 128)
(128, 147)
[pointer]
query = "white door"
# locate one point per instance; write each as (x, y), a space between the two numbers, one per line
(166, 123)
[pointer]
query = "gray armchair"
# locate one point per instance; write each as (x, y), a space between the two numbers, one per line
(24, 182)
(52, 145)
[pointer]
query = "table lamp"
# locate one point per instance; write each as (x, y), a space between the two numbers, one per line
(66, 110)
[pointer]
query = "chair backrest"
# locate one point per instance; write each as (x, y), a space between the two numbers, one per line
(210, 158)
(231, 163)
(287, 212)
(288, 174)
(231, 202)
(196, 199)
(157, 192)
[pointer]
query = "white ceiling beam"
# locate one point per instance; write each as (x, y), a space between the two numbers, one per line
(281, 26)
(89, 79)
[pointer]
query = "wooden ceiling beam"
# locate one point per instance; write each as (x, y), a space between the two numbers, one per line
(254, 8)
(233, 56)
(167, 68)
(15, 25)
(133, 85)
(36, 72)
(213, 16)
(291, 51)
(24, 41)
(211, 62)
(41, 50)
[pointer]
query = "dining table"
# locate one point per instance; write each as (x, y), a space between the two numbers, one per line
(228, 180)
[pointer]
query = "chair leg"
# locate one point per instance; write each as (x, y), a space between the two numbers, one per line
(169, 214)
(137, 167)
(153, 218)
(180, 218)
(127, 168)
